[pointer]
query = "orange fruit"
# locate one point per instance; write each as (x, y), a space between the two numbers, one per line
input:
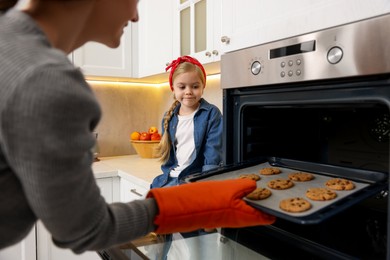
(135, 136)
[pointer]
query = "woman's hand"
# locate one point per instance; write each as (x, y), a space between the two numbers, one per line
(207, 205)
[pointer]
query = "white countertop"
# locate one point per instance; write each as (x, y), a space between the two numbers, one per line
(130, 167)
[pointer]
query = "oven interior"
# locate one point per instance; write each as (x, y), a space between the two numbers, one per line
(343, 134)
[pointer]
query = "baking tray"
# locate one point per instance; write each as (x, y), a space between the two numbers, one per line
(367, 184)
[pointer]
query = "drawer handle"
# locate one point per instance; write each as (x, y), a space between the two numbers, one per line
(135, 192)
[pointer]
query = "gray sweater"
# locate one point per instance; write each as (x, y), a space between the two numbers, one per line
(47, 114)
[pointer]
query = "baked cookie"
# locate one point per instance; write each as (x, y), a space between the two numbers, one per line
(259, 194)
(280, 184)
(295, 205)
(270, 171)
(340, 184)
(301, 176)
(320, 194)
(251, 176)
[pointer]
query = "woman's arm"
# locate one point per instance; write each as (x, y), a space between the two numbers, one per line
(47, 141)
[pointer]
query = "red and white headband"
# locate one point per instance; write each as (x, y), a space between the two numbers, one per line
(173, 65)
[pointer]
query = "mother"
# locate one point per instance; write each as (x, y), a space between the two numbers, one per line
(47, 115)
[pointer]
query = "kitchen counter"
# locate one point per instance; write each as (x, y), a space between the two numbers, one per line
(131, 167)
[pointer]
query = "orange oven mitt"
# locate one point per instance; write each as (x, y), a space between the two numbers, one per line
(208, 204)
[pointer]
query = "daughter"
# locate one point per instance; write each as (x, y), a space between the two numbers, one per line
(192, 128)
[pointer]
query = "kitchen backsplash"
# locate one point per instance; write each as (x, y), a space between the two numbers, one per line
(134, 108)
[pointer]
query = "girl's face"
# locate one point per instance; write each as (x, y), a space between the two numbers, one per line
(188, 90)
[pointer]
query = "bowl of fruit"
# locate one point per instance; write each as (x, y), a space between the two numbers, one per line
(145, 142)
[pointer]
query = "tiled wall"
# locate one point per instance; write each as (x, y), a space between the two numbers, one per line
(136, 108)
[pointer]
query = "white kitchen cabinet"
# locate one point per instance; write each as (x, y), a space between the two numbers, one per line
(109, 188)
(46, 250)
(132, 191)
(152, 38)
(24, 250)
(197, 26)
(165, 31)
(146, 46)
(95, 59)
(252, 22)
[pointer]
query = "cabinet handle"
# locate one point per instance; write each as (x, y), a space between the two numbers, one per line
(215, 52)
(135, 192)
(225, 39)
(208, 54)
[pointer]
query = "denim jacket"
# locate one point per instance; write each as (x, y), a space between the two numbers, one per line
(208, 144)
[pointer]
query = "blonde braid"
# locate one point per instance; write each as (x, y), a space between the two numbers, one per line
(164, 148)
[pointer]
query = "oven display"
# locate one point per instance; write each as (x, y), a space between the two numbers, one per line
(293, 49)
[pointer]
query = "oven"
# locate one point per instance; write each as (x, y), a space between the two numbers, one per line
(318, 103)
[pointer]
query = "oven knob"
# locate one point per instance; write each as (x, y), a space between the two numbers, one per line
(256, 67)
(335, 55)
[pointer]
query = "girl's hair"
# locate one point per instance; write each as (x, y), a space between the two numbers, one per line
(164, 148)
(7, 4)
(189, 67)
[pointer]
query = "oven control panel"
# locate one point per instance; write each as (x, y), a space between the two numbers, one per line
(355, 49)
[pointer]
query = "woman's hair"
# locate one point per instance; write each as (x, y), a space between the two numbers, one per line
(164, 147)
(7, 4)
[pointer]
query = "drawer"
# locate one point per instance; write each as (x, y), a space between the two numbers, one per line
(131, 191)
(109, 188)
